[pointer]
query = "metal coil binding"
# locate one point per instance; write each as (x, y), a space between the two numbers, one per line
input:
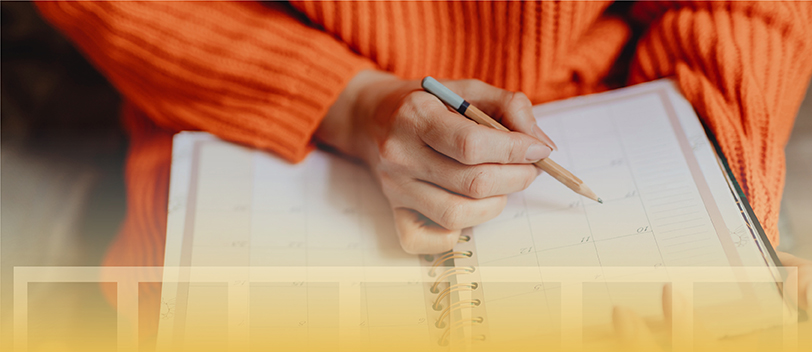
(448, 290)
(444, 339)
(448, 256)
(458, 324)
(448, 273)
(455, 306)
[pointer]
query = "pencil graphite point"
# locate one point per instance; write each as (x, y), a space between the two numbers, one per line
(600, 200)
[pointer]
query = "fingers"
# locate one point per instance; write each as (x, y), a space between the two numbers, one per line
(679, 315)
(449, 210)
(442, 215)
(419, 235)
(478, 181)
(512, 109)
(461, 171)
(668, 306)
(632, 331)
(803, 286)
(469, 143)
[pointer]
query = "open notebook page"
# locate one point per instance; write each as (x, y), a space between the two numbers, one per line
(231, 206)
(666, 204)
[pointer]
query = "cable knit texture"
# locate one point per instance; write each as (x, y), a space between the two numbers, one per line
(265, 74)
(744, 66)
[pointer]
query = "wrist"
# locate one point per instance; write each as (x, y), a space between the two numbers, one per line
(347, 125)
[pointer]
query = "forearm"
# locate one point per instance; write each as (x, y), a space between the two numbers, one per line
(247, 72)
(343, 126)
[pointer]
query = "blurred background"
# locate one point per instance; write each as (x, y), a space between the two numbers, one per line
(62, 154)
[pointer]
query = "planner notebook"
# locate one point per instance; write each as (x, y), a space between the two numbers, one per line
(306, 255)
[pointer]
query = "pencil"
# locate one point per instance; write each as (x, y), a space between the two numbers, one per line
(453, 100)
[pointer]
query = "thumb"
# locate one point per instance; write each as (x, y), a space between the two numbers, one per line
(801, 283)
(419, 235)
(632, 331)
(512, 109)
(675, 309)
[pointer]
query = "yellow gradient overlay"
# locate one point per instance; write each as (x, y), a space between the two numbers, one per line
(393, 309)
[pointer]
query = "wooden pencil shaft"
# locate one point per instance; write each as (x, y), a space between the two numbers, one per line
(559, 173)
(563, 177)
(472, 112)
(551, 167)
(482, 118)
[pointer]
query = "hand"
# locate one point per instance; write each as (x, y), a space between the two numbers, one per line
(440, 171)
(804, 284)
(634, 334)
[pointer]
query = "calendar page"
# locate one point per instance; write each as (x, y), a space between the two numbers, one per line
(667, 206)
(249, 238)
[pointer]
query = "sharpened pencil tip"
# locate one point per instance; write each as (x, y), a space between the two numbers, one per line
(600, 200)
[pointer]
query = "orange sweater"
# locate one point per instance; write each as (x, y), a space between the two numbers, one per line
(265, 74)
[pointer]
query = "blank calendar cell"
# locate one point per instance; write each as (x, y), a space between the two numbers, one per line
(278, 256)
(580, 255)
(600, 153)
(546, 194)
(507, 238)
(612, 183)
(560, 228)
(617, 218)
(639, 250)
(218, 228)
(275, 195)
(279, 229)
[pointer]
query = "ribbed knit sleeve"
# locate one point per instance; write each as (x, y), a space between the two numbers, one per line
(248, 72)
(744, 66)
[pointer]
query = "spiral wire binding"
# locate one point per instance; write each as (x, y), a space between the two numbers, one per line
(455, 306)
(453, 288)
(448, 256)
(462, 239)
(448, 273)
(458, 324)
(444, 338)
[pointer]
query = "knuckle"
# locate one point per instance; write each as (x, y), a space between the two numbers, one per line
(392, 154)
(518, 100)
(480, 184)
(472, 87)
(411, 99)
(418, 109)
(419, 102)
(514, 150)
(406, 109)
(409, 243)
(469, 147)
(530, 177)
(424, 102)
(452, 216)
(412, 104)
(470, 82)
